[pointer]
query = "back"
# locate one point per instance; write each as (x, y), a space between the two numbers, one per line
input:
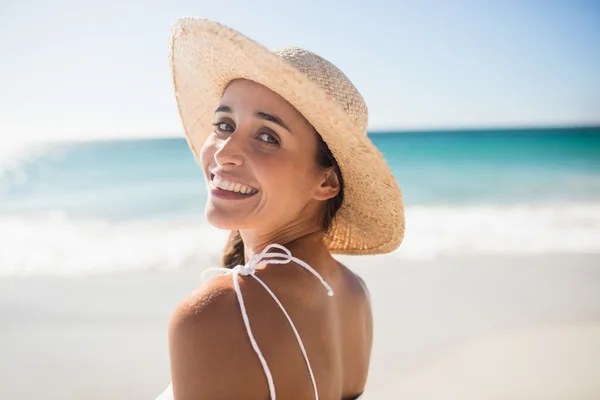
(210, 345)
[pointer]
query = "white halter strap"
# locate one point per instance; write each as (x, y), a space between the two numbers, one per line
(249, 269)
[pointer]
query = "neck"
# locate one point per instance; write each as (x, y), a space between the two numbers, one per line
(295, 238)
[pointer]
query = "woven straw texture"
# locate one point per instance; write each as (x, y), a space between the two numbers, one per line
(206, 56)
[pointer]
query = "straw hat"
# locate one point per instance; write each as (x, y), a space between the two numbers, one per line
(206, 56)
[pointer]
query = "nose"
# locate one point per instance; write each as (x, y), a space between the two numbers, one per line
(230, 151)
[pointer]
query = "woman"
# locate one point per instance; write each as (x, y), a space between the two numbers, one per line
(281, 139)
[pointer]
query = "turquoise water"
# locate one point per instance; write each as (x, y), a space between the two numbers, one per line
(543, 182)
(492, 167)
(145, 178)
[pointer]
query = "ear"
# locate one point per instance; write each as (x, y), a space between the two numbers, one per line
(329, 186)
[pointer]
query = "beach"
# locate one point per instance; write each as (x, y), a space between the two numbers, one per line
(493, 327)
(493, 294)
(487, 115)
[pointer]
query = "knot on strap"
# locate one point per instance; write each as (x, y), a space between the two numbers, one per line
(265, 257)
(245, 270)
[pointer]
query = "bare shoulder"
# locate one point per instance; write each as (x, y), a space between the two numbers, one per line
(208, 346)
(360, 298)
(357, 283)
(203, 302)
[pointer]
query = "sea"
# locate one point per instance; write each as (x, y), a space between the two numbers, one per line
(113, 206)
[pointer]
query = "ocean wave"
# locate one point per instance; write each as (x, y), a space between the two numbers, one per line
(54, 244)
(14, 153)
(434, 232)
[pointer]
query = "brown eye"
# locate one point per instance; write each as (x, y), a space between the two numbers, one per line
(268, 138)
(223, 126)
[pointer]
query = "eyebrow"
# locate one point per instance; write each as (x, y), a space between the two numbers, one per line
(223, 108)
(258, 114)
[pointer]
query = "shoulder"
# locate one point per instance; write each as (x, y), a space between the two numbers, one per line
(356, 283)
(364, 287)
(360, 297)
(209, 347)
(205, 302)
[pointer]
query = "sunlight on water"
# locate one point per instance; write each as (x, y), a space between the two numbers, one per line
(116, 206)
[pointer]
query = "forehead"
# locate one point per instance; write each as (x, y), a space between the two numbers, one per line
(245, 95)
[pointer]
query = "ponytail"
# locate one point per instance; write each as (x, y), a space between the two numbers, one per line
(234, 251)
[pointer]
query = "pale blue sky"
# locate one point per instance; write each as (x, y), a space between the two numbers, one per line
(83, 69)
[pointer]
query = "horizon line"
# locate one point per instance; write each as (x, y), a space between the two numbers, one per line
(374, 131)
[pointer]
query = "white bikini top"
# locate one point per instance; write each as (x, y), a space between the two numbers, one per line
(249, 270)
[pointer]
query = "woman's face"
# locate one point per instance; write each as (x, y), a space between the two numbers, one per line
(260, 163)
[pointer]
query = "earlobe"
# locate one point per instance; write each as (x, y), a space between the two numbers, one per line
(329, 187)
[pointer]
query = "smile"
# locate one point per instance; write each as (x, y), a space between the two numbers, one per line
(220, 185)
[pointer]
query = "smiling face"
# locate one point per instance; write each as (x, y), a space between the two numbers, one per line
(261, 163)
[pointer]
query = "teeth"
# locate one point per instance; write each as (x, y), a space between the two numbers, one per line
(223, 184)
(231, 186)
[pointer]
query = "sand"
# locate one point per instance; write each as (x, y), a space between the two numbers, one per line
(491, 327)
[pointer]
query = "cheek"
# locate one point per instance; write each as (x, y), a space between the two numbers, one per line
(288, 178)
(207, 151)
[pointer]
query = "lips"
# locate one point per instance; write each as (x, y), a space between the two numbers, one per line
(224, 186)
(232, 186)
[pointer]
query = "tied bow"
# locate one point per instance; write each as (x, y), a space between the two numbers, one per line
(265, 257)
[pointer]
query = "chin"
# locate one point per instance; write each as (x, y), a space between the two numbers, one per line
(221, 219)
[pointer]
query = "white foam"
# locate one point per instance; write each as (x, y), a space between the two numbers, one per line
(13, 155)
(55, 244)
(524, 229)
(14, 152)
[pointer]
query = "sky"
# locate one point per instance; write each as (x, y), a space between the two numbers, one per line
(100, 69)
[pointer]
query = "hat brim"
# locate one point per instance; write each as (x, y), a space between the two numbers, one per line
(206, 56)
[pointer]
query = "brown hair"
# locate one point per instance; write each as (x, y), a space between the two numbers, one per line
(234, 250)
